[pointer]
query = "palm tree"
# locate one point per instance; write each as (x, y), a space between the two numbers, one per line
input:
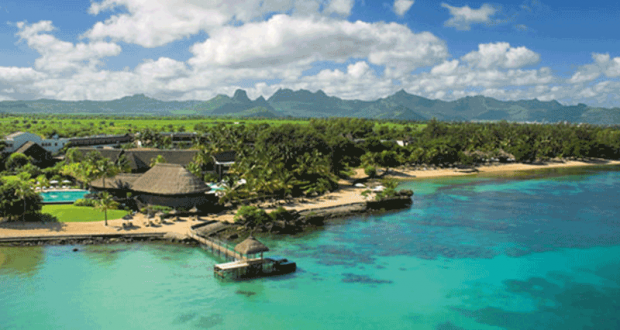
(22, 190)
(105, 203)
(42, 181)
(157, 160)
(104, 168)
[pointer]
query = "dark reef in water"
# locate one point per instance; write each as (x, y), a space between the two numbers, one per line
(245, 293)
(363, 279)
(569, 305)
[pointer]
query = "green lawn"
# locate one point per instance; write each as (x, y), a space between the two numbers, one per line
(71, 213)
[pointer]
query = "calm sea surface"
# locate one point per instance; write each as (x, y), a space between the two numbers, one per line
(529, 251)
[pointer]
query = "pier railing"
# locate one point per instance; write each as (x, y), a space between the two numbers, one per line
(217, 247)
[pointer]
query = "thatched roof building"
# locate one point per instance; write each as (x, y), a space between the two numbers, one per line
(122, 181)
(251, 246)
(139, 160)
(169, 179)
(111, 154)
(174, 186)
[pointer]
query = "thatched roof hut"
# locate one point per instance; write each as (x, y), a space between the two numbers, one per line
(111, 154)
(122, 181)
(251, 246)
(140, 159)
(169, 179)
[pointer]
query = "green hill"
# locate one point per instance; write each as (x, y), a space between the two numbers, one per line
(303, 103)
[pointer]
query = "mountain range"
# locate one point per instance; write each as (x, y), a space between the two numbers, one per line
(303, 103)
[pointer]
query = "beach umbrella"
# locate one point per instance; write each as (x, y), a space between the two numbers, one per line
(54, 182)
(66, 181)
(175, 213)
(194, 211)
(360, 185)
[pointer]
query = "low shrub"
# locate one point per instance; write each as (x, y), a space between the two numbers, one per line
(85, 202)
(371, 171)
(280, 214)
(252, 216)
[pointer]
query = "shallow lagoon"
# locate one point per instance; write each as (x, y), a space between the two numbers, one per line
(534, 251)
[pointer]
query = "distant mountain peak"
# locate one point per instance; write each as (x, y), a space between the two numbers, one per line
(401, 92)
(137, 97)
(241, 96)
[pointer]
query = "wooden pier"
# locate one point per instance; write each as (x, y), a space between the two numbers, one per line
(243, 258)
(218, 248)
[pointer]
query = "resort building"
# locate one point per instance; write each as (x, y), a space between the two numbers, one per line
(172, 185)
(53, 145)
(38, 154)
(180, 138)
(118, 185)
(101, 141)
(139, 160)
(223, 161)
(16, 140)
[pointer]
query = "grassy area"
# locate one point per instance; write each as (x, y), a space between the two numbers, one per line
(73, 125)
(94, 124)
(71, 213)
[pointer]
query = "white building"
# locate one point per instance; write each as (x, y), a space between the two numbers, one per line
(15, 140)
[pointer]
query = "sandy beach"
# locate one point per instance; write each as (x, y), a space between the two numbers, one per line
(408, 173)
(345, 195)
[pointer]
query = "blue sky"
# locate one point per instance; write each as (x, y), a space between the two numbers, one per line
(191, 49)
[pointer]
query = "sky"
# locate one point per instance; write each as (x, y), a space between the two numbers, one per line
(567, 51)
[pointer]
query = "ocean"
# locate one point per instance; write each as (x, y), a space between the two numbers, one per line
(537, 250)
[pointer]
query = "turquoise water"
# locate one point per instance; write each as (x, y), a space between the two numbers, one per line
(62, 196)
(537, 251)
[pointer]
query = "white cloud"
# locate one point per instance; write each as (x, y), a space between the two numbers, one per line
(447, 67)
(501, 55)
(276, 53)
(402, 6)
(299, 41)
(57, 55)
(16, 75)
(339, 7)
(163, 68)
(463, 17)
(155, 23)
(603, 65)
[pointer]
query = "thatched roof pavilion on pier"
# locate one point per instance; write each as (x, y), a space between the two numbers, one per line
(251, 246)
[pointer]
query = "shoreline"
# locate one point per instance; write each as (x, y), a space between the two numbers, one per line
(412, 174)
(345, 195)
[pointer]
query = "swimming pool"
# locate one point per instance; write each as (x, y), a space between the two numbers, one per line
(63, 196)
